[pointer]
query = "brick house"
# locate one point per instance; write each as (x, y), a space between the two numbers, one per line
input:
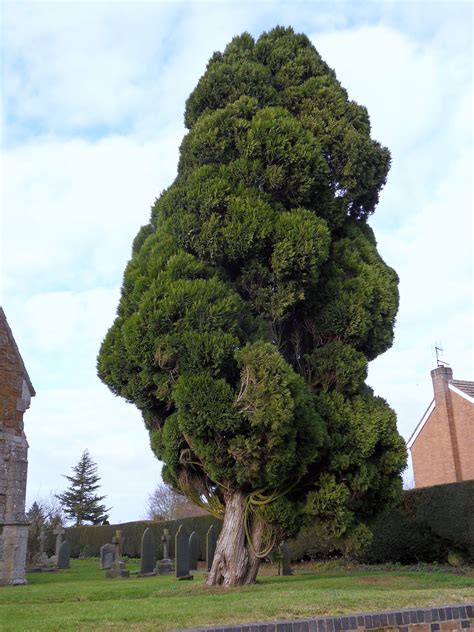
(16, 391)
(442, 445)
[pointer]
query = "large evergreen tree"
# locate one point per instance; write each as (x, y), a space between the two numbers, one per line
(255, 298)
(80, 501)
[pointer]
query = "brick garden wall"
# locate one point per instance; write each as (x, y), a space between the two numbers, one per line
(440, 619)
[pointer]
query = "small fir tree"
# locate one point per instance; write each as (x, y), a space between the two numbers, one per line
(80, 501)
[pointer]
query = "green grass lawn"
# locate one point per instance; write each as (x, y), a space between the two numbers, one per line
(82, 599)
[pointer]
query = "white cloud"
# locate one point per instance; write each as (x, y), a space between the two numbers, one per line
(73, 67)
(405, 84)
(72, 208)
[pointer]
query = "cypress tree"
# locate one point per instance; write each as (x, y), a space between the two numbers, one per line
(253, 302)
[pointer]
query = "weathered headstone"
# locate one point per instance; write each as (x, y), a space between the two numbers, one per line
(285, 568)
(64, 555)
(107, 556)
(42, 555)
(165, 565)
(117, 570)
(58, 532)
(165, 538)
(181, 549)
(117, 539)
(193, 551)
(211, 540)
(147, 561)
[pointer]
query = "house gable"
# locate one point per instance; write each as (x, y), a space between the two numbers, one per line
(421, 424)
(442, 444)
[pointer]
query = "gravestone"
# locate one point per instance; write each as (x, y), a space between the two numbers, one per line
(64, 555)
(211, 540)
(118, 541)
(107, 556)
(147, 560)
(193, 551)
(58, 532)
(117, 570)
(285, 568)
(42, 555)
(181, 548)
(165, 565)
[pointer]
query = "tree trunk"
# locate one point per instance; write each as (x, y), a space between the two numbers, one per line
(234, 562)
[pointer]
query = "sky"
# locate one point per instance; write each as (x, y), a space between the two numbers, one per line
(92, 97)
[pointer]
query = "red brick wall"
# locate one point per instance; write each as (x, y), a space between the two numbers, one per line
(464, 420)
(432, 454)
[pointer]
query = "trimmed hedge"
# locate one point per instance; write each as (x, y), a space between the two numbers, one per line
(429, 523)
(87, 540)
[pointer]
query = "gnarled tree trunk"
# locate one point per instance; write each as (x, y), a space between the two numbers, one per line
(235, 563)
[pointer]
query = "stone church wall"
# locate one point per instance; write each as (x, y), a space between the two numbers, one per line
(15, 394)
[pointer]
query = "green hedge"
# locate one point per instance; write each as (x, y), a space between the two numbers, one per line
(431, 522)
(86, 541)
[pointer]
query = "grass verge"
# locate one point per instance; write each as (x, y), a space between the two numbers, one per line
(82, 599)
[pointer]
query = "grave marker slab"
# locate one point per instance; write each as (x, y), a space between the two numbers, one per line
(211, 540)
(42, 555)
(64, 555)
(165, 565)
(147, 558)
(117, 571)
(118, 541)
(182, 553)
(107, 556)
(193, 551)
(285, 560)
(58, 532)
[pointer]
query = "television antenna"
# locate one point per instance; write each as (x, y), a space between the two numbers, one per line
(438, 361)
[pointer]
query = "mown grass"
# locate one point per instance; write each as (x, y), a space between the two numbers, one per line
(82, 599)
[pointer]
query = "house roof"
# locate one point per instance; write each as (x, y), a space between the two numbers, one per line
(464, 386)
(11, 339)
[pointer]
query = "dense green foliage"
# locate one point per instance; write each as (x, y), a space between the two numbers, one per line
(431, 523)
(80, 501)
(255, 297)
(86, 540)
